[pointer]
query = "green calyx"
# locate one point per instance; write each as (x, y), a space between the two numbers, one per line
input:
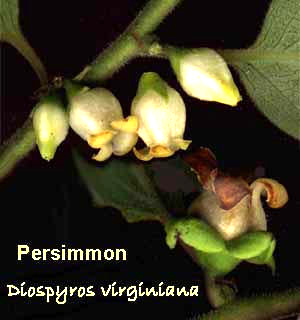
(152, 81)
(175, 56)
(215, 255)
(249, 245)
(196, 234)
(266, 257)
(217, 264)
(73, 88)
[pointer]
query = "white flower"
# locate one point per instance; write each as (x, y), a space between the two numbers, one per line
(51, 125)
(96, 116)
(204, 74)
(161, 117)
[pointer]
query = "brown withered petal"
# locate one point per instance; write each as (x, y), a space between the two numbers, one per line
(203, 162)
(229, 190)
(277, 195)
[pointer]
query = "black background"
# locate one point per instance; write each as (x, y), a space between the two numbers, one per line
(44, 204)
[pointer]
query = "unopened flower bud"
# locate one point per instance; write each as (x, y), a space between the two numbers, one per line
(204, 74)
(51, 124)
(161, 115)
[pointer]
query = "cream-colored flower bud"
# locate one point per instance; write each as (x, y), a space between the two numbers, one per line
(51, 125)
(204, 74)
(96, 116)
(161, 116)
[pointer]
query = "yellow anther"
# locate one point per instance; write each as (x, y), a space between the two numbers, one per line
(97, 141)
(130, 124)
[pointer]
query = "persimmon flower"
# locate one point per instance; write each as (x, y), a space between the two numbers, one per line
(204, 74)
(51, 124)
(97, 117)
(229, 204)
(161, 116)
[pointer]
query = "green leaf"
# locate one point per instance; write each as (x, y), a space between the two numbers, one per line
(11, 33)
(174, 181)
(270, 68)
(122, 185)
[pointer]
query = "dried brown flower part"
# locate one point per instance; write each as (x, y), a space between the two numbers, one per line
(228, 203)
(229, 190)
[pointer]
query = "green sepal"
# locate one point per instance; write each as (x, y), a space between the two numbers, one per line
(54, 98)
(171, 233)
(249, 245)
(195, 233)
(217, 264)
(266, 257)
(175, 55)
(73, 89)
(152, 81)
(272, 265)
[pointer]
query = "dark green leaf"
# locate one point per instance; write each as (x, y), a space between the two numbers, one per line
(174, 181)
(123, 185)
(270, 68)
(10, 32)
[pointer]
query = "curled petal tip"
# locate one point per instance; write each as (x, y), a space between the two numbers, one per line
(182, 144)
(99, 140)
(143, 154)
(130, 124)
(161, 152)
(104, 153)
(277, 195)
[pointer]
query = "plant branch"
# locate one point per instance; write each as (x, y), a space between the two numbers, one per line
(16, 148)
(271, 306)
(131, 43)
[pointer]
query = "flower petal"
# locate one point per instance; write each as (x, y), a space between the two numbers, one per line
(97, 141)
(130, 124)
(203, 162)
(277, 195)
(123, 142)
(181, 144)
(104, 153)
(230, 190)
(143, 154)
(161, 151)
